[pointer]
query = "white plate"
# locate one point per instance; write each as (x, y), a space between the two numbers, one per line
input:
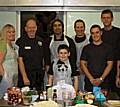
(44, 104)
(84, 105)
(114, 102)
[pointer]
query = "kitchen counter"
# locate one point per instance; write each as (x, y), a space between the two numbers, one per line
(4, 103)
(112, 101)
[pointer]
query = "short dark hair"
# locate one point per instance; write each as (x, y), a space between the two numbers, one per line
(95, 26)
(79, 20)
(58, 20)
(63, 46)
(106, 11)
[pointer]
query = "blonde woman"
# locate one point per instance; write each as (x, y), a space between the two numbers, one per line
(8, 59)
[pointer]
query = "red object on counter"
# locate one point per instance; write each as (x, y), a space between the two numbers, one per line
(104, 91)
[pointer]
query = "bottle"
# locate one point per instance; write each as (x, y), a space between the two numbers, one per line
(67, 99)
(41, 97)
(44, 95)
(55, 95)
(34, 95)
(49, 93)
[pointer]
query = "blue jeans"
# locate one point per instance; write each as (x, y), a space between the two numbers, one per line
(81, 82)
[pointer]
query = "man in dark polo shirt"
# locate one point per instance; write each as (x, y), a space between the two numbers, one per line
(33, 56)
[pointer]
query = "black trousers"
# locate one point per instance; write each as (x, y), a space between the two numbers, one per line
(112, 79)
(103, 85)
(36, 78)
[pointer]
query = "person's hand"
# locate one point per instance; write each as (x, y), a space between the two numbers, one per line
(118, 82)
(26, 81)
(96, 81)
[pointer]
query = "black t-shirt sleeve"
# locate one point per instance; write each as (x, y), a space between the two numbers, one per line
(118, 52)
(21, 52)
(74, 71)
(20, 44)
(17, 42)
(73, 54)
(110, 54)
(50, 71)
(83, 54)
(46, 54)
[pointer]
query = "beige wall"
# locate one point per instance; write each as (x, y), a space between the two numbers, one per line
(60, 2)
(90, 18)
(9, 18)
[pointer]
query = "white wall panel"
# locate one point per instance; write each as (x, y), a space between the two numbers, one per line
(31, 2)
(8, 18)
(91, 2)
(90, 18)
(39, 2)
(59, 2)
(7, 2)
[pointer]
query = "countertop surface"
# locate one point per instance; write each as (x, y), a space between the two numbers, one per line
(4, 103)
(112, 101)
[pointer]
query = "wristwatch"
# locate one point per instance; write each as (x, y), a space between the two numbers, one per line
(101, 79)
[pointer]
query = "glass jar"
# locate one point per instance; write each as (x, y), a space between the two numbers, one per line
(14, 95)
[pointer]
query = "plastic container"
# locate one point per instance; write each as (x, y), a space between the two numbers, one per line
(55, 95)
(14, 95)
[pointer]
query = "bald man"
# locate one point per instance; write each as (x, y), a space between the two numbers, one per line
(32, 54)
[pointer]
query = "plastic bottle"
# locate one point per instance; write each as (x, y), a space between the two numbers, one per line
(67, 99)
(44, 95)
(41, 97)
(55, 95)
(48, 92)
(34, 95)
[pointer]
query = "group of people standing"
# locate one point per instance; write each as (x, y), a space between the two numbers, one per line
(78, 61)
